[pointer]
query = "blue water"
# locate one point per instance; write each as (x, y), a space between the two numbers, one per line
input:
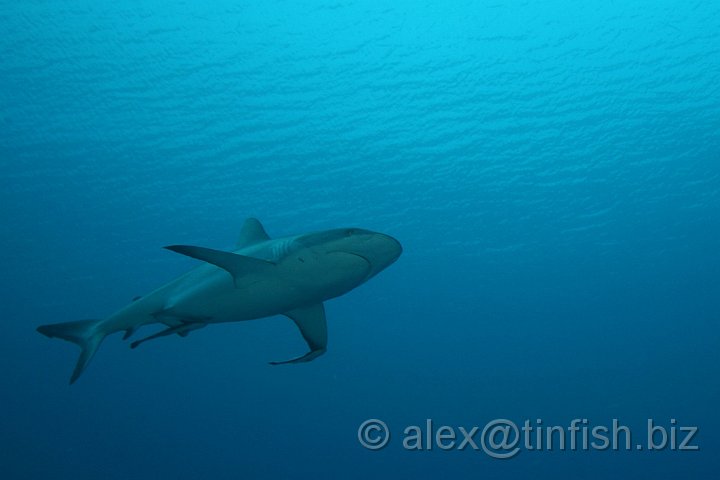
(551, 168)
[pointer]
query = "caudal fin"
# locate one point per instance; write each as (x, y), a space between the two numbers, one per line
(85, 333)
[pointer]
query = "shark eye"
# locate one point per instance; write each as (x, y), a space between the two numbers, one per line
(350, 232)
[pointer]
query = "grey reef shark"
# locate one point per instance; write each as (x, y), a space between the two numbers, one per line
(261, 277)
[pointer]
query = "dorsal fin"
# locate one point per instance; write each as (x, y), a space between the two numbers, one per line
(252, 232)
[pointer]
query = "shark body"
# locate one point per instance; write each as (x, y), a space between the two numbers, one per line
(262, 277)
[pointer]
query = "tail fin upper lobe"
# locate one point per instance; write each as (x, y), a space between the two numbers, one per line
(87, 334)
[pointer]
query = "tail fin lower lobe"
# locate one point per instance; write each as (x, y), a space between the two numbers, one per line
(87, 334)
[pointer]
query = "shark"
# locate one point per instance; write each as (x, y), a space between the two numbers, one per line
(260, 277)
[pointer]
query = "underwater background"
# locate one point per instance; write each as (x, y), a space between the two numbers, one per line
(551, 168)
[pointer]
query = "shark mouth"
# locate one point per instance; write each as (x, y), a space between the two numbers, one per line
(369, 263)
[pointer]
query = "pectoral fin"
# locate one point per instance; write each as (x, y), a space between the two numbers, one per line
(236, 265)
(313, 326)
(305, 358)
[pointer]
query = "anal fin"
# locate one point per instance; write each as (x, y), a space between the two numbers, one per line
(129, 332)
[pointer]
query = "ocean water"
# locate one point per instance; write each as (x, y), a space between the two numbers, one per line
(552, 170)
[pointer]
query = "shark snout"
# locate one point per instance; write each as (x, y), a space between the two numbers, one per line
(395, 246)
(381, 251)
